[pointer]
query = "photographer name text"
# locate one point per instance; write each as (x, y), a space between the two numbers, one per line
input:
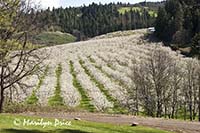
(41, 122)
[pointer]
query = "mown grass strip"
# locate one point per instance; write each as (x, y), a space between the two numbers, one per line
(117, 108)
(7, 125)
(33, 99)
(56, 99)
(85, 100)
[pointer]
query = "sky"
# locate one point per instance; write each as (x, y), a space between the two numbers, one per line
(67, 3)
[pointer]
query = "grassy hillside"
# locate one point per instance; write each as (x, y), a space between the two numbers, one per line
(122, 10)
(53, 38)
(14, 124)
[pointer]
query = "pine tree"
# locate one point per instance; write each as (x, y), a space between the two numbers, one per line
(161, 23)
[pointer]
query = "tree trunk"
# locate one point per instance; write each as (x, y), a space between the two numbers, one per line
(176, 114)
(199, 99)
(165, 111)
(137, 104)
(173, 111)
(185, 111)
(1, 100)
(174, 102)
(190, 103)
(160, 97)
(194, 111)
(1, 90)
(159, 109)
(190, 108)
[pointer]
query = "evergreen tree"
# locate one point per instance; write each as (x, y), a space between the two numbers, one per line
(196, 45)
(179, 22)
(95, 19)
(161, 24)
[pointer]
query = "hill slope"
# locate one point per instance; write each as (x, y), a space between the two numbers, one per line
(97, 75)
(53, 38)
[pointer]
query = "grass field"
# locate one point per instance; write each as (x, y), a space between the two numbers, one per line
(18, 124)
(122, 10)
(53, 38)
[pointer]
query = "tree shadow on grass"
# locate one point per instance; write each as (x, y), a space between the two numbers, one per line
(38, 131)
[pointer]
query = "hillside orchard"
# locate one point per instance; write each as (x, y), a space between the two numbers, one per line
(125, 73)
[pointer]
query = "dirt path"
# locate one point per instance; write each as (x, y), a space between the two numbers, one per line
(171, 125)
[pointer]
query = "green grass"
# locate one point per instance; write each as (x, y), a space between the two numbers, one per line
(56, 99)
(122, 10)
(153, 13)
(7, 126)
(53, 38)
(85, 100)
(32, 99)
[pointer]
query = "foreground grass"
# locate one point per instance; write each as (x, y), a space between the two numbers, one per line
(7, 126)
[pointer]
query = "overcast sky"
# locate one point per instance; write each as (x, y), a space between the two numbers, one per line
(67, 3)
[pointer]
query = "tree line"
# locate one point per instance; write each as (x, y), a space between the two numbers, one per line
(179, 22)
(93, 20)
